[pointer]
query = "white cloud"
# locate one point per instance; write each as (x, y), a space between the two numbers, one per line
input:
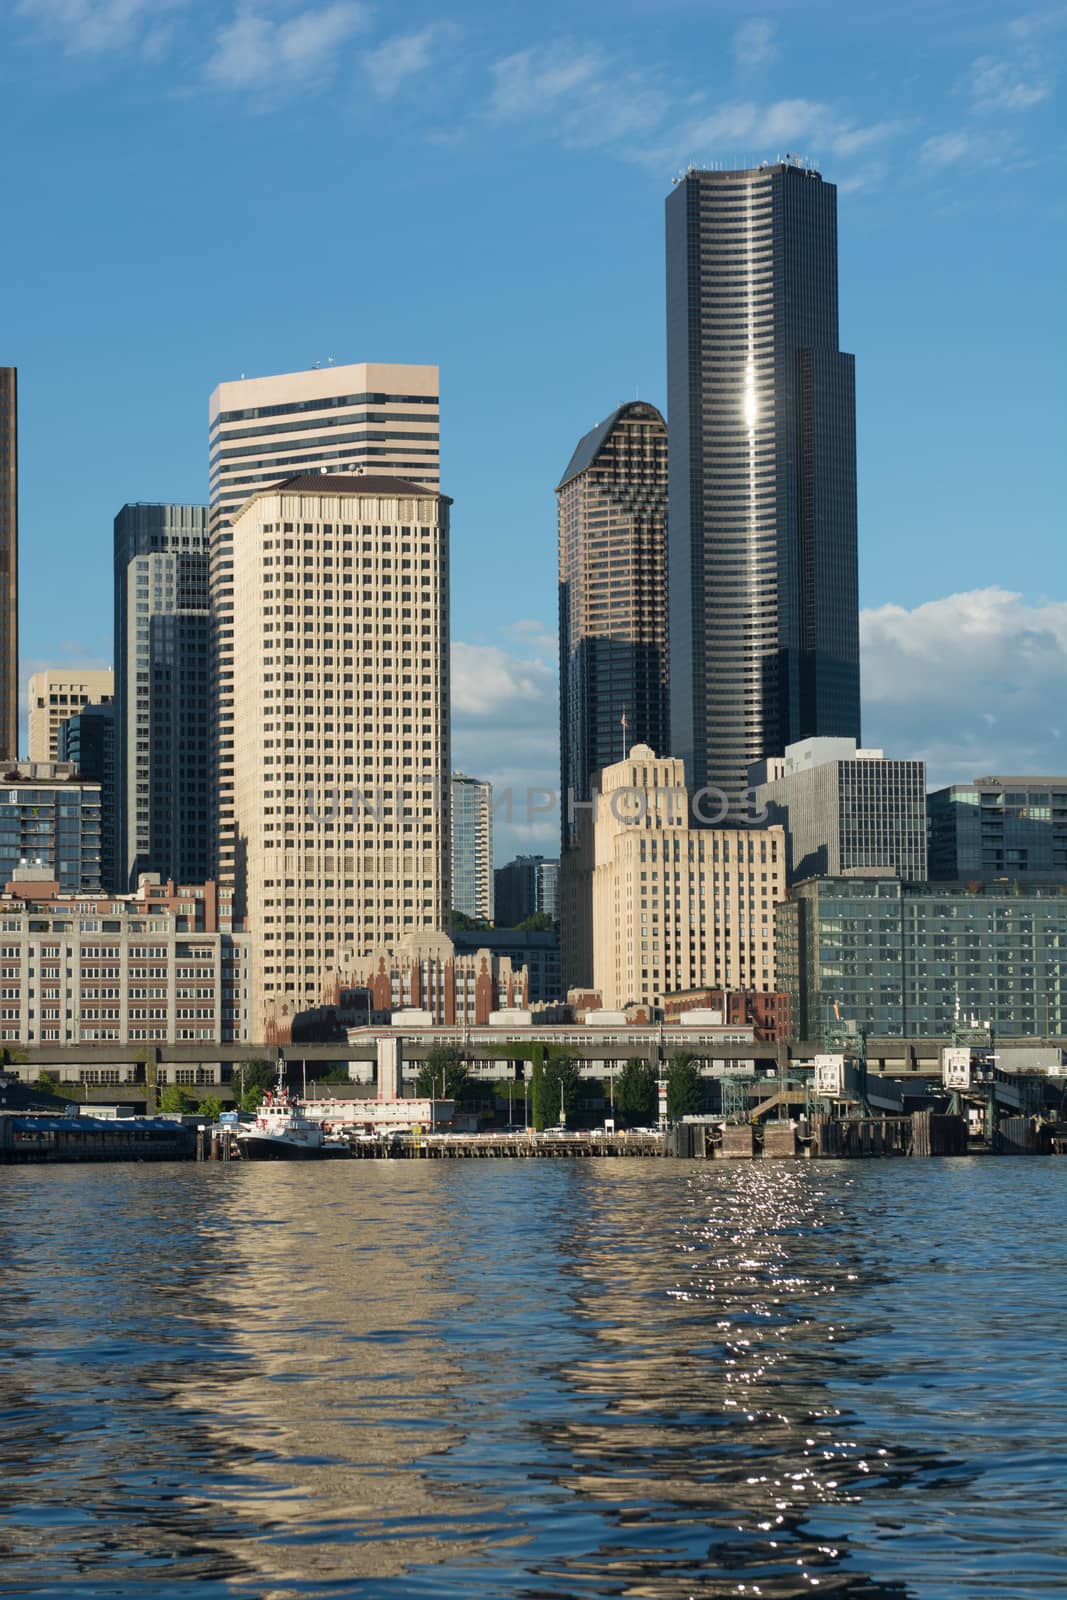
(404, 56)
(505, 719)
(255, 50)
(755, 44)
(945, 149)
(753, 129)
(1001, 86)
(490, 684)
(96, 27)
(970, 682)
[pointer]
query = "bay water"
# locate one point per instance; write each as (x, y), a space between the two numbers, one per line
(539, 1379)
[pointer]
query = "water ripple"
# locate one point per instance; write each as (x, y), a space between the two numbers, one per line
(541, 1380)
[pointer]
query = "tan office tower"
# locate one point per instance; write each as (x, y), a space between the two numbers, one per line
(60, 693)
(677, 907)
(9, 565)
(341, 730)
(375, 417)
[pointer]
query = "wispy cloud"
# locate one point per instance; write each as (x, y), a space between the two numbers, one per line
(754, 128)
(256, 50)
(755, 44)
(580, 95)
(1002, 86)
(98, 27)
(945, 149)
(404, 56)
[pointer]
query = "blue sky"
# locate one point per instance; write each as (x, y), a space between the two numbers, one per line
(194, 190)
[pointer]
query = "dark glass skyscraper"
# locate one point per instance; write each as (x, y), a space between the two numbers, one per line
(764, 609)
(612, 596)
(9, 565)
(163, 708)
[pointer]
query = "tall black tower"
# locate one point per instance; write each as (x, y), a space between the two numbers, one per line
(764, 604)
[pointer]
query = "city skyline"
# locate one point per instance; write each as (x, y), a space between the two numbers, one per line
(928, 149)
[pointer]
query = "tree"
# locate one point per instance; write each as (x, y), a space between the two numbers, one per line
(443, 1075)
(685, 1092)
(255, 1077)
(537, 1088)
(46, 1083)
(635, 1093)
(562, 1086)
(463, 923)
(210, 1108)
(536, 922)
(175, 1098)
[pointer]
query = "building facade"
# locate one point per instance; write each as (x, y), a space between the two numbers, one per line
(676, 907)
(472, 847)
(9, 564)
(764, 608)
(612, 517)
(536, 954)
(341, 729)
(87, 743)
(164, 965)
(527, 887)
(58, 694)
(999, 828)
(844, 810)
(50, 817)
(903, 960)
(165, 815)
(769, 1015)
(379, 418)
(428, 972)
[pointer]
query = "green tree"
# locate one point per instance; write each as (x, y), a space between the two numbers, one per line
(254, 1077)
(175, 1098)
(537, 1087)
(46, 1083)
(562, 1086)
(685, 1092)
(443, 1066)
(537, 922)
(635, 1093)
(463, 923)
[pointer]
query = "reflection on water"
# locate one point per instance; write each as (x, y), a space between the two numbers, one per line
(541, 1379)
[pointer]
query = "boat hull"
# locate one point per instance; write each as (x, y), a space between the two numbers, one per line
(253, 1149)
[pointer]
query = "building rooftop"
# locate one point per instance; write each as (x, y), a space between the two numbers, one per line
(350, 483)
(591, 443)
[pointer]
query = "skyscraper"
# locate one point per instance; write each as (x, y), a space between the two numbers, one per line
(340, 729)
(472, 847)
(372, 417)
(9, 565)
(612, 509)
(764, 611)
(163, 721)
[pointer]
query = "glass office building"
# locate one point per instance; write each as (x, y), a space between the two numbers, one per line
(764, 605)
(612, 516)
(472, 847)
(164, 714)
(911, 960)
(997, 828)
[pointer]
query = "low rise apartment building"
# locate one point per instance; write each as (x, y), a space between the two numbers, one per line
(162, 966)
